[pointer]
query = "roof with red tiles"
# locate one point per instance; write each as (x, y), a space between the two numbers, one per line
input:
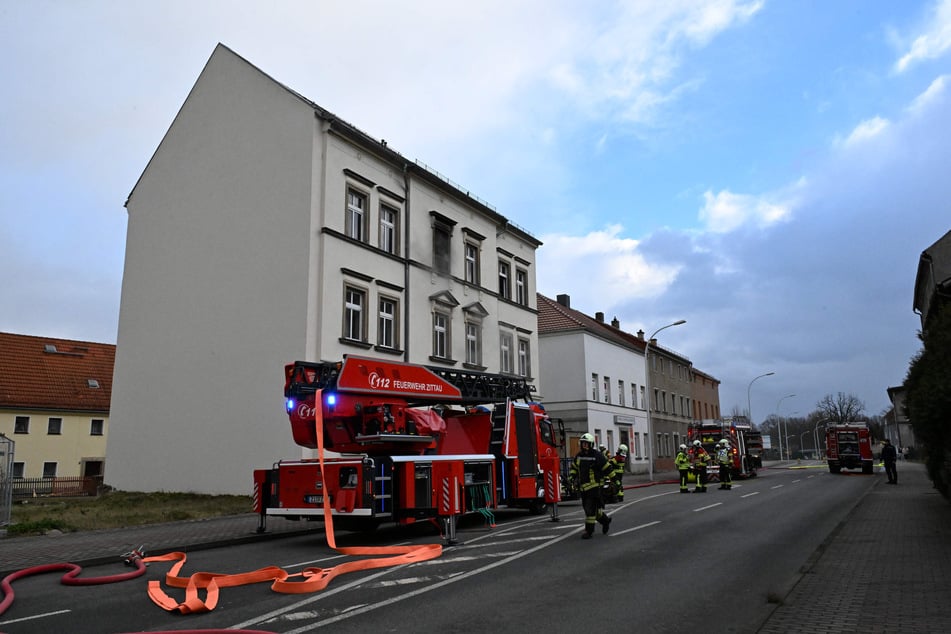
(554, 316)
(55, 374)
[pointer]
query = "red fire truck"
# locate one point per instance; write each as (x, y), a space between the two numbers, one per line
(849, 446)
(404, 443)
(746, 445)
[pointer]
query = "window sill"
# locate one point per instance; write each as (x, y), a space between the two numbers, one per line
(353, 342)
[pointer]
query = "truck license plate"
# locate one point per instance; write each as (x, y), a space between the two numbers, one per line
(313, 499)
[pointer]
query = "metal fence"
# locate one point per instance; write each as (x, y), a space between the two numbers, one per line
(55, 487)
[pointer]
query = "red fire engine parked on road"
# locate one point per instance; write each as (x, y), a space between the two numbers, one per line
(404, 443)
(746, 445)
(849, 446)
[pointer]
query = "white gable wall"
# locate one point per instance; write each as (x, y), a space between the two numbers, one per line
(214, 295)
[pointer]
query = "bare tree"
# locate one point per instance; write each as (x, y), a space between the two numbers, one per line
(842, 408)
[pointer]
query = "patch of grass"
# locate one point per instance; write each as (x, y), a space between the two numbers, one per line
(119, 509)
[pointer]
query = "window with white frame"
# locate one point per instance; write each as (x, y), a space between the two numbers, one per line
(386, 336)
(524, 358)
(472, 262)
(49, 469)
(441, 334)
(356, 214)
(620, 392)
(389, 236)
(96, 426)
(18, 469)
(505, 283)
(521, 287)
(644, 404)
(21, 425)
(473, 342)
(54, 427)
(354, 317)
(634, 395)
(506, 352)
(594, 387)
(607, 389)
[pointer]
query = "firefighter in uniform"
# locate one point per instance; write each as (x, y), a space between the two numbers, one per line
(700, 461)
(588, 469)
(725, 460)
(682, 462)
(617, 475)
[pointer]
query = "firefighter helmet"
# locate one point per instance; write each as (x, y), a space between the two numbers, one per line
(683, 447)
(724, 442)
(622, 449)
(588, 438)
(696, 443)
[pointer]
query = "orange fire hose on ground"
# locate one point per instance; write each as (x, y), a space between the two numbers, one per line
(311, 579)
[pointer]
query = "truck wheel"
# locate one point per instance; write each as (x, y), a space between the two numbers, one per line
(866, 467)
(834, 469)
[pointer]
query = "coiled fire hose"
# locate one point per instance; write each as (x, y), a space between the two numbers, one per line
(312, 579)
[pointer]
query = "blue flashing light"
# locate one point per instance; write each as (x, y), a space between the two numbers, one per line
(331, 399)
(289, 404)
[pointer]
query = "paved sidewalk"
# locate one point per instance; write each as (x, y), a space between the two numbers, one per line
(886, 568)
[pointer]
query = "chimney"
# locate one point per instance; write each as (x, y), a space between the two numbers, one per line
(599, 317)
(640, 335)
(564, 299)
(616, 323)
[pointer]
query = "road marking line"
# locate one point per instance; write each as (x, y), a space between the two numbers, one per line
(636, 528)
(409, 595)
(35, 616)
(749, 494)
(704, 508)
(778, 486)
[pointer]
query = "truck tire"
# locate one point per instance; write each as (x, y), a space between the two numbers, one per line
(835, 469)
(866, 467)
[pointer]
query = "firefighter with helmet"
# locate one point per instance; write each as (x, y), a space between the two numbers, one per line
(682, 462)
(725, 461)
(588, 468)
(617, 471)
(700, 461)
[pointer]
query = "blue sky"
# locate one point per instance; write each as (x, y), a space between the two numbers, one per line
(769, 171)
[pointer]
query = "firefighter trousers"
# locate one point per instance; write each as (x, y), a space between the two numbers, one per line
(726, 478)
(593, 509)
(684, 473)
(701, 479)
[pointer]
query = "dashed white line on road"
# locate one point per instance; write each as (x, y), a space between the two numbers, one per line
(709, 506)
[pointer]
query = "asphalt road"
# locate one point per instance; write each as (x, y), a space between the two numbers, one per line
(671, 562)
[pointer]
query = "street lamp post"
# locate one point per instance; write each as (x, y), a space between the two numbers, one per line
(801, 452)
(781, 428)
(749, 404)
(815, 434)
(647, 386)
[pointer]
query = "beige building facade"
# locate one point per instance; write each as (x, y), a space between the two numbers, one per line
(54, 405)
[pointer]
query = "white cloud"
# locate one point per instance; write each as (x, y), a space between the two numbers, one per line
(614, 269)
(931, 44)
(623, 72)
(725, 211)
(868, 129)
(935, 91)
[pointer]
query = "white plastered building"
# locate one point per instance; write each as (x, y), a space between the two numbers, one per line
(265, 230)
